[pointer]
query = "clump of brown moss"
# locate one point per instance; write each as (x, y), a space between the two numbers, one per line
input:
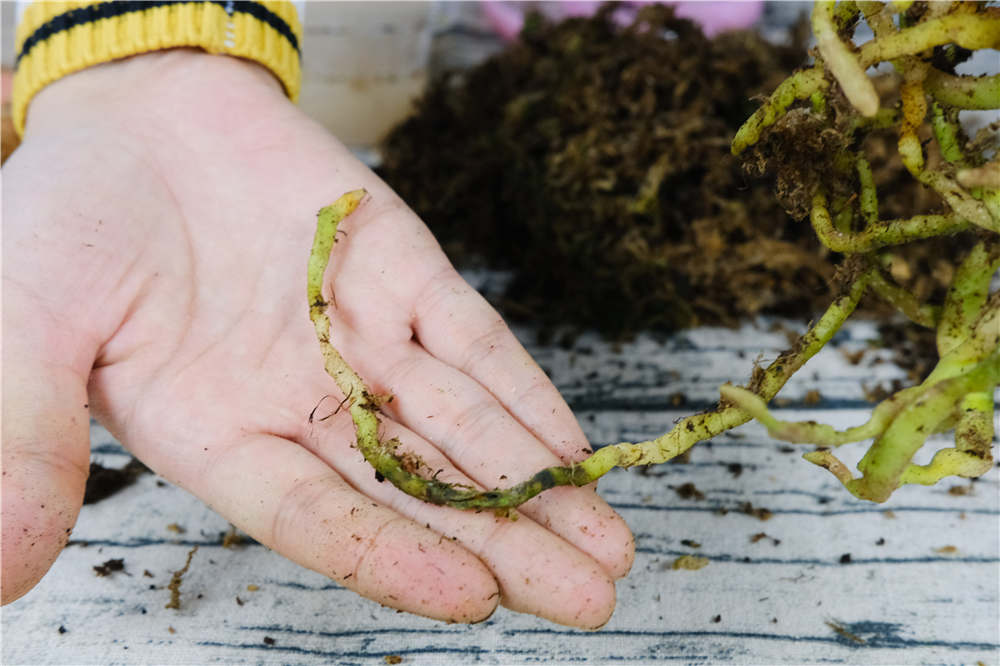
(801, 151)
(594, 161)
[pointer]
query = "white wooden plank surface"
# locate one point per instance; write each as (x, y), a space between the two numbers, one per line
(905, 598)
(907, 601)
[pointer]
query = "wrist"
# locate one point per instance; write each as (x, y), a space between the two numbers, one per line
(153, 89)
(58, 39)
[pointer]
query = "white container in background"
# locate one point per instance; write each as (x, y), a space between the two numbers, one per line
(363, 65)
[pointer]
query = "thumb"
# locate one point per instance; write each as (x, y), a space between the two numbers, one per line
(46, 430)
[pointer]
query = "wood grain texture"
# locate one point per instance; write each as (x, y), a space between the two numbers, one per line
(834, 579)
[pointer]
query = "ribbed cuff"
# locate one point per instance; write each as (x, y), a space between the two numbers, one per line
(58, 38)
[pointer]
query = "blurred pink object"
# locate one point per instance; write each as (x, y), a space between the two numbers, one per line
(507, 18)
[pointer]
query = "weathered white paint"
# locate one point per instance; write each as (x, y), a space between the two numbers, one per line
(907, 601)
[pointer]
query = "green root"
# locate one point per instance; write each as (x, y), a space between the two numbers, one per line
(900, 426)
(948, 133)
(882, 233)
(846, 65)
(802, 85)
(924, 314)
(958, 393)
(970, 31)
(841, 62)
(397, 467)
(980, 93)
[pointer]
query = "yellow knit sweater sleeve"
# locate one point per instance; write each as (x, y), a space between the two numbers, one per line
(58, 38)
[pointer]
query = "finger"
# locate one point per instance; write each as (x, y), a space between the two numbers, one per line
(451, 320)
(494, 449)
(455, 324)
(292, 502)
(46, 431)
(538, 572)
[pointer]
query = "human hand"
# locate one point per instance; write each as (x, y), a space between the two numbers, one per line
(157, 222)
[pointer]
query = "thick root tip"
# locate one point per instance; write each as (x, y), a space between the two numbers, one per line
(749, 402)
(346, 204)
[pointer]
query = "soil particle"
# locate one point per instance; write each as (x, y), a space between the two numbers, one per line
(689, 491)
(689, 562)
(106, 481)
(841, 630)
(109, 567)
(757, 512)
(175, 582)
(760, 536)
(853, 357)
(232, 538)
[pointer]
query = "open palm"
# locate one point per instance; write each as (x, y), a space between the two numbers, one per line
(154, 275)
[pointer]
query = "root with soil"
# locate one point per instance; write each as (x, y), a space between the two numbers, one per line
(836, 100)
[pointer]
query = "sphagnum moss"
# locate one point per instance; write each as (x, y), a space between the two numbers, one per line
(923, 42)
